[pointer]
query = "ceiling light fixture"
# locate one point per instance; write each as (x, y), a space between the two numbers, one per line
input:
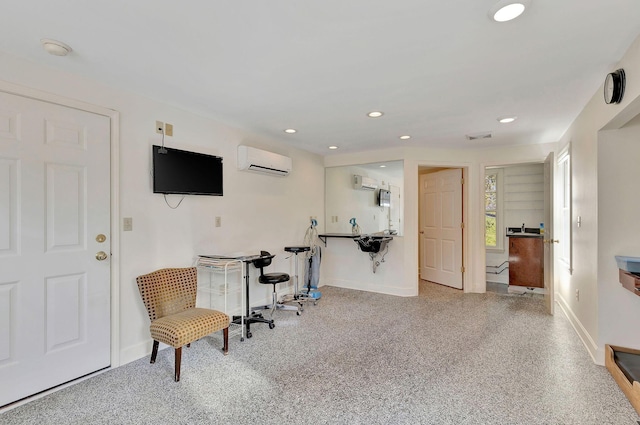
(507, 120)
(507, 10)
(333, 147)
(56, 48)
(406, 137)
(383, 166)
(375, 114)
(290, 130)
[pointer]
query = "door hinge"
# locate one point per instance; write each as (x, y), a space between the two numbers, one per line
(462, 269)
(462, 225)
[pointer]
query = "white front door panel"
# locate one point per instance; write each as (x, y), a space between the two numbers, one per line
(54, 200)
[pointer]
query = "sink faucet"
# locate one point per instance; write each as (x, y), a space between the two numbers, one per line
(522, 227)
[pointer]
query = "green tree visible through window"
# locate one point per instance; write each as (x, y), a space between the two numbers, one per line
(490, 209)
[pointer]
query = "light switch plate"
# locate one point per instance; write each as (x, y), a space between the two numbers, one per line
(127, 224)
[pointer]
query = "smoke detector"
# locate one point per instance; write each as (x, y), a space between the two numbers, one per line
(56, 48)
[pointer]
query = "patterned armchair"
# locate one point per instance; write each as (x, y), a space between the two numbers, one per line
(170, 298)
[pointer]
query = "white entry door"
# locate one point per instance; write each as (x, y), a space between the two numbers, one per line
(548, 230)
(54, 222)
(441, 227)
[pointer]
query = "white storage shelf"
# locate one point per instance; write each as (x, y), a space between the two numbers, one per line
(221, 287)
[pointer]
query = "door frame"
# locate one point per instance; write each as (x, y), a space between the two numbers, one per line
(541, 161)
(467, 275)
(114, 117)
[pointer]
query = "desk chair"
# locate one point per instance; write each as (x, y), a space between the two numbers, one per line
(170, 298)
(272, 279)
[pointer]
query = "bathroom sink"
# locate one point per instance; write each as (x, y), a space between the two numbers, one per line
(371, 243)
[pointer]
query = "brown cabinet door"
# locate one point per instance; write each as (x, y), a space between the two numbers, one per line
(526, 262)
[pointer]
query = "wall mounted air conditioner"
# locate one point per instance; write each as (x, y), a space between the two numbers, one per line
(364, 183)
(253, 159)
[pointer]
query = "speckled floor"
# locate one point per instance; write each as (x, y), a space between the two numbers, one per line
(363, 358)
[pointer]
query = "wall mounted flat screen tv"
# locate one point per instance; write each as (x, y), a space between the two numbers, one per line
(384, 198)
(187, 173)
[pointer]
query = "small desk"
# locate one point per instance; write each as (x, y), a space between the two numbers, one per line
(246, 259)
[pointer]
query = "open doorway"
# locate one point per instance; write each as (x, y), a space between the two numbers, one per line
(518, 227)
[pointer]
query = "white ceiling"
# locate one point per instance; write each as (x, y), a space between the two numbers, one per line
(438, 69)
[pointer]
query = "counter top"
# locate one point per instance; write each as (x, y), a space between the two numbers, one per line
(524, 235)
(338, 235)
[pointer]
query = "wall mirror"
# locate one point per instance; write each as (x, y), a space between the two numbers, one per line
(372, 194)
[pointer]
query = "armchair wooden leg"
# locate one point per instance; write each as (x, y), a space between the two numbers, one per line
(154, 351)
(225, 337)
(178, 359)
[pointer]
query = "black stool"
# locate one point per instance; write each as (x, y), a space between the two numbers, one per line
(297, 295)
(270, 279)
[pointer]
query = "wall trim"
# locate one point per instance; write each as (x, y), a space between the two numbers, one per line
(377, 288)
(589, 343)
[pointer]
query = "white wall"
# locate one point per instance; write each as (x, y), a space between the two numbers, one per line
(344, 202)
(257, 211)
(618, 231)
(523, 191)
(595, 313)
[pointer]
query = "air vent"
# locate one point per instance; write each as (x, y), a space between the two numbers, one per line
(476, 136)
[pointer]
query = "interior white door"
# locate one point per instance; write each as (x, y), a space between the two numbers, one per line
(441, 227)
(54, 205)
(548, 230)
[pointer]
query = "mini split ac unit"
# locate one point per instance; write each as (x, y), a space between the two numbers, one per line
(364, 183)
(253, 159)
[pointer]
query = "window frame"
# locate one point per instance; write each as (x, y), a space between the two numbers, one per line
(565, 210)
(500, 231)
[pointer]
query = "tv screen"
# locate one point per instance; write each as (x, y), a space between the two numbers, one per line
(384, 198)
(187, 173)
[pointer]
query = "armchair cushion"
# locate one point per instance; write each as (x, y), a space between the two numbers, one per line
(187, 326)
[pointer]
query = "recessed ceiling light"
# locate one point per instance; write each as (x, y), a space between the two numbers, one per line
(507, 120)
(56, 48)
(333, 147)
(383, 166)
(290, 130)
(506, 10)
(406, 137)
(375, 114)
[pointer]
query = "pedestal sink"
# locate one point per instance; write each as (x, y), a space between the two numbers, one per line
(374, 244)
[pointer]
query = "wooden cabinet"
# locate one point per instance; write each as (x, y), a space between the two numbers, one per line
(526, 262)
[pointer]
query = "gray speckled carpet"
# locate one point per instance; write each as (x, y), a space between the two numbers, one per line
(363, 358)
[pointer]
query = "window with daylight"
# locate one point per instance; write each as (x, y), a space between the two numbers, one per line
(492, 209)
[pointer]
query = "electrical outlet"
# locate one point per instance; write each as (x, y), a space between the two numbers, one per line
(168, 129)
(218, 221)
(127, 224)
(159, 127)
(577, 294)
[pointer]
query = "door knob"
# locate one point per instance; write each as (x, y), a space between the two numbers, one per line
(101, 256)
(422, 232)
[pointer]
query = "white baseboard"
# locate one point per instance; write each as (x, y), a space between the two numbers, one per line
(592, 348)
(380, 289)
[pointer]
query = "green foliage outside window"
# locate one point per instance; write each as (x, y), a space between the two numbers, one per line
(490, 209)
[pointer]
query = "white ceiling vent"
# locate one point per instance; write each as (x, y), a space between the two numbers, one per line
(253, 159)
(476, 136)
